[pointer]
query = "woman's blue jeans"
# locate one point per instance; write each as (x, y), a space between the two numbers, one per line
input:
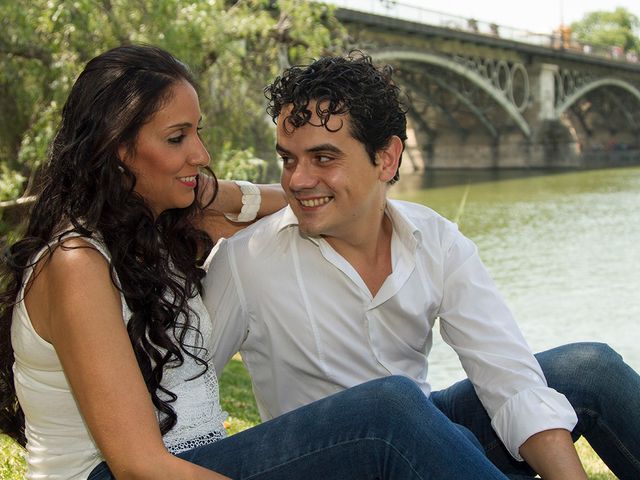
(604, 391)
(382, 429)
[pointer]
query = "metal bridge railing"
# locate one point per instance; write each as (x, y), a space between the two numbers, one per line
(561, 39)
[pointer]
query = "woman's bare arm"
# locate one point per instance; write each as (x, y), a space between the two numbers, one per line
(82, 318)
(229, 201)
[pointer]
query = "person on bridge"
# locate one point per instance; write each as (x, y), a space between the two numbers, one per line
(345, 285)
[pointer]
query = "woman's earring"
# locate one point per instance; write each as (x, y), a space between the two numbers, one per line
(120, 169)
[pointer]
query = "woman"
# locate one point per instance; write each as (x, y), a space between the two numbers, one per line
(104, 332)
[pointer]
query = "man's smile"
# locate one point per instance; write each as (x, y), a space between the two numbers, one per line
(314, 202)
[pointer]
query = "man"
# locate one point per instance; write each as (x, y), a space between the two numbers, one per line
(345, 285)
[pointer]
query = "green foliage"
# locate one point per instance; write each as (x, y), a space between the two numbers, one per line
(618, 28)
(240, 165)
(233, 47)
(10, 182)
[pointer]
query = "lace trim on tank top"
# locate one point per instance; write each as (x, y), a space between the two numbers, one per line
(200, 416)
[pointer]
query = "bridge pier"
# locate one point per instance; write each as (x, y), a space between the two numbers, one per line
(552, 142)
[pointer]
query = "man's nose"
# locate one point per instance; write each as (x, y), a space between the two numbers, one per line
(303, 176)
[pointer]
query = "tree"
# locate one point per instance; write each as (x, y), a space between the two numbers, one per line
(233, 47)
(618, 28)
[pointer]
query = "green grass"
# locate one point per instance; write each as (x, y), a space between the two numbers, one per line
(237, 400)
(236, 397)
(12, 463)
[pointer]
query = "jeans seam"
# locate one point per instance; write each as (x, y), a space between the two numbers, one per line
(620, 445)
(274, 467)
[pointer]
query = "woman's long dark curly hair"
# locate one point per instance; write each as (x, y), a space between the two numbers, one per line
(88, 190)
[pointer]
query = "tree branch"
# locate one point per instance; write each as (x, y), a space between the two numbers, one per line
(18, 202)
(28, 52)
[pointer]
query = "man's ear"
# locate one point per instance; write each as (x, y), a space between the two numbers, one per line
(388, 158)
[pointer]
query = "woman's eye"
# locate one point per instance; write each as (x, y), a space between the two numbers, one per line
(176, 139)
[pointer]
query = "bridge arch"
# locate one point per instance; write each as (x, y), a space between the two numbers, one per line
(481, 82)
(583, 90)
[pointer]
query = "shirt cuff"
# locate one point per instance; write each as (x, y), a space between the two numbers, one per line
(529, 412)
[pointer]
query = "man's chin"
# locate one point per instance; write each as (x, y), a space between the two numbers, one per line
(309, 230)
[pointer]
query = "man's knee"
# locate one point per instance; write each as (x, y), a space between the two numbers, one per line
(400, 397)
(594, 355)
(580, 357)
(581, 367)
(394, 388)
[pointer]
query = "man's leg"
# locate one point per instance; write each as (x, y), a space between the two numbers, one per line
(604, 391)
(384, 429)
(460, 403)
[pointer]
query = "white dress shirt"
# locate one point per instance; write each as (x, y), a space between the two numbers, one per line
(307, 325)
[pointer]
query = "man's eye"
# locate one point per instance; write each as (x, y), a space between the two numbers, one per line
(324, 159)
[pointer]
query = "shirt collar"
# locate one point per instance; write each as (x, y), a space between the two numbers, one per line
(406, 230)
(289, 220)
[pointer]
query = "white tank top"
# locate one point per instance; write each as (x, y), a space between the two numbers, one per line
(59, 445)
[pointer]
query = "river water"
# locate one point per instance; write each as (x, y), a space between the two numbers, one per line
(564, 249)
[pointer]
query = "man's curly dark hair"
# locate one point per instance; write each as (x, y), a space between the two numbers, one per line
(340, 85)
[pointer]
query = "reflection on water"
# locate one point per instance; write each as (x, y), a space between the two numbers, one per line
(564, 248)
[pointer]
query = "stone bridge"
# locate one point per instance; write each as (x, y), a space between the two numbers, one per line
(484, 101)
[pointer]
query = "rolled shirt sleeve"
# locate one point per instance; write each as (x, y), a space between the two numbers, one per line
(529, 412)
(476, 322)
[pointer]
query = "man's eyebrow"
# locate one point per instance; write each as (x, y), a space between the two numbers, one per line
(325, 147)
(281, 149)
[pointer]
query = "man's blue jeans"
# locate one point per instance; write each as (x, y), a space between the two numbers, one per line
(383, 429)
(604, 391)
(388, 429)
